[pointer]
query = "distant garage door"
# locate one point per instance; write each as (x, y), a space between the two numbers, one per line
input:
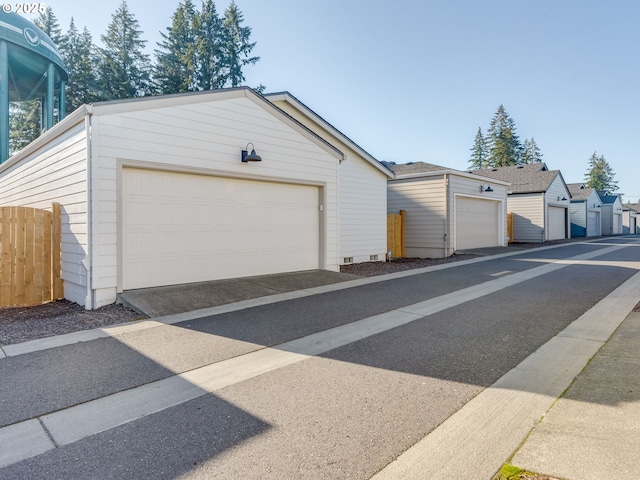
(593, 224)
(477, 223)
(556, 223)
(181, 228)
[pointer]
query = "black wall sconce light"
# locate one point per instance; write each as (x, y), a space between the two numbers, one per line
(250, 157)
(486, 189)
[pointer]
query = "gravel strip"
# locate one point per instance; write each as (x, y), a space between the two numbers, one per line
(21, 324)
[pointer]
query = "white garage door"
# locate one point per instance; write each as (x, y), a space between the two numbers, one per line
(181, 228)
(556, 223)
(477, 223)
(593, 222)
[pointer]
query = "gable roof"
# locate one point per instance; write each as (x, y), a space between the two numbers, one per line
(531, 178)
(424, 169)
(318, 120)
(608, 199)
(176, 99)
(579, 192)
(413, 168)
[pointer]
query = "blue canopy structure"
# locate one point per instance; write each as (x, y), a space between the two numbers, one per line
(30, 67)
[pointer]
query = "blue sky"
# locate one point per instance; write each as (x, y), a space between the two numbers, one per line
(413, 80)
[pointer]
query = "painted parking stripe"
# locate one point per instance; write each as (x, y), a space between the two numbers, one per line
(80, 421)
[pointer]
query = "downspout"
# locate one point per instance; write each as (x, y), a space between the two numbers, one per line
(88, 260)
(447, 219)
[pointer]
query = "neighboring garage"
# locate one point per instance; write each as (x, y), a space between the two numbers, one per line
(447, 210)
(182, 228)
(156, 191)
(538, 201)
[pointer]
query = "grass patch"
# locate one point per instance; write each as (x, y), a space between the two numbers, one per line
(510, 472)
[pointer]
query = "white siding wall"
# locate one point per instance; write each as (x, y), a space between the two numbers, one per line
(363, 210)
(362, 194)
(578, 216)
(423, 200)
(468, 187)
(528, 216)
(57, 172)
(555, 193)
(204, 137)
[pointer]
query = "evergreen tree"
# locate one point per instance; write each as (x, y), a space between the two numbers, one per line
(479, 155)
(48, 23)
(176, 61)
(236, 46)
(530, 152)
(209, 33)
(79, 58)
(123, 68)
(502, 142)
(24, 126)
(600, 175)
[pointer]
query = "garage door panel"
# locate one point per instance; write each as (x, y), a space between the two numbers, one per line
(477, 223)
(556, 219)
(181, 228)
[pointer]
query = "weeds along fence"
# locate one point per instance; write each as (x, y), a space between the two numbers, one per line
(30, 256)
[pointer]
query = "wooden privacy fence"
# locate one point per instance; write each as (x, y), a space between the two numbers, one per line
(395, 234)
(510, 226)
(30, 256)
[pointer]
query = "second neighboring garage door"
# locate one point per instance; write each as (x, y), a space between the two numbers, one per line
(182, 228)
(477, 223)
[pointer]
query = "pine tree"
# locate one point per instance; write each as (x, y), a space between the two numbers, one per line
(530, 152)
(600, 175)
(176, 61)
(123, 68)
(209, 38)
(502, 142)
(48, 23)
(79, 58)
(479, 155)
(24, 126)
(236, 46)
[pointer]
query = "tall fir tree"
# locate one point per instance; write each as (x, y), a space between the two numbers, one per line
(236, 46)
(502, 142)
(176, 60)
(48, 23)
(530, 152)
(479, 154)
(123, 68)
(209, 32)
(600, 175)
(79, 58)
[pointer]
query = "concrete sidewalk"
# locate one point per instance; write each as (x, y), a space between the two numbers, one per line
(593, 431)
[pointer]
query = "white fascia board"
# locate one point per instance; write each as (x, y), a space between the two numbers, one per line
(321, 122)
(458, 173)
(58, 129)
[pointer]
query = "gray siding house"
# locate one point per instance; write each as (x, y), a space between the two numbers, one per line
(585, 211)
(447, 210)
(539, 200)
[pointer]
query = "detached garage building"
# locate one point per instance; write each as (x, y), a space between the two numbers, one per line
(539, 200)
(585, 211)
(447, 210)
(154, 192)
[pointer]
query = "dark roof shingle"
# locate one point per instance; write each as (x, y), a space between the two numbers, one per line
(531, 178)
